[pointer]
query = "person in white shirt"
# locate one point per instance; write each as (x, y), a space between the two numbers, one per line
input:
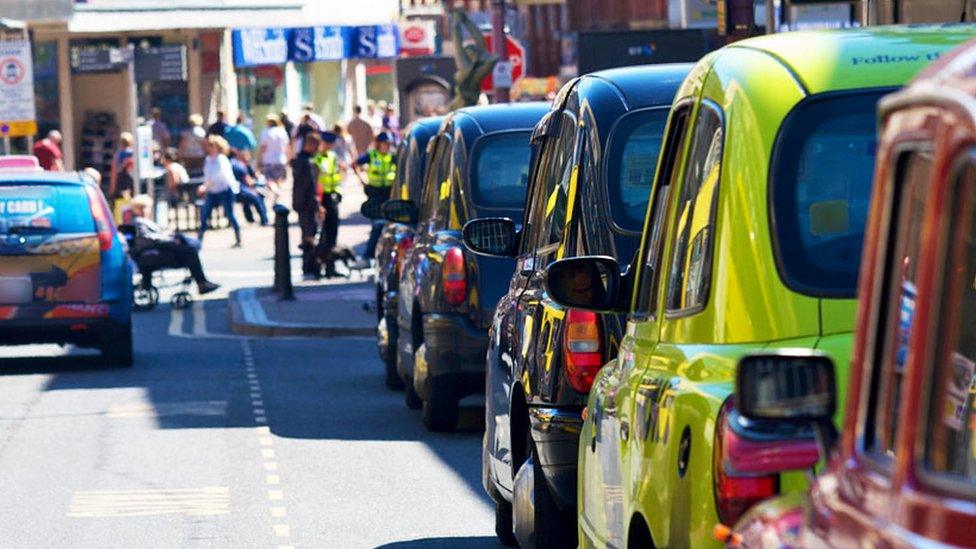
(274, 151)
(219, 186)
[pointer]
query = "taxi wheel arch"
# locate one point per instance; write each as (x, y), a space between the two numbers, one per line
(638, 534)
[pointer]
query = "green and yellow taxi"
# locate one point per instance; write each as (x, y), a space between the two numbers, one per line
(752, 241)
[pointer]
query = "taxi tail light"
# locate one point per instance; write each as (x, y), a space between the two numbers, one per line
(736, 491)
(103, 218)
(402, 247)
(582, 349)
(454, 278)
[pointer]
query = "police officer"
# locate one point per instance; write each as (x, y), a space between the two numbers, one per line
(380, 172)
(305, 176)
(331, 171)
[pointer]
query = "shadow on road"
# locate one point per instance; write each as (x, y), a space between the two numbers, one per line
(445, 543)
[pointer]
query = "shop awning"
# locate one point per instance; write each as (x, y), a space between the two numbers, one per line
(114, 17)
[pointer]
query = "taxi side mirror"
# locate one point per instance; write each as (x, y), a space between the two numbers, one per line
(491, 236)
(401, 211)
(587, 282)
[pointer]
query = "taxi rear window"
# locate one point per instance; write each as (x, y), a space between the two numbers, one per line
(501, 173)
(634, 148)
(823, 167)
(37, 208)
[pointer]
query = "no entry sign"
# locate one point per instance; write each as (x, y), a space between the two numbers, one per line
(17, 114)
(515, 56)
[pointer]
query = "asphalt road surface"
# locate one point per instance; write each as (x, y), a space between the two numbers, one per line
(215, 440)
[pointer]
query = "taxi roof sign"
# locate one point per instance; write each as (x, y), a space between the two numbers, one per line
(19, 163)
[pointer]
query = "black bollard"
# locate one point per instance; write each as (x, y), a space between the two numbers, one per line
(282, 256)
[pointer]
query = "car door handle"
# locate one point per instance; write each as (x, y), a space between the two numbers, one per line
(624, 430)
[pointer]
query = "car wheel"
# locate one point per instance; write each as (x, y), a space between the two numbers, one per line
(554, 527)
(441, 406)
(503, 522)
(410, 397)
(116, 346)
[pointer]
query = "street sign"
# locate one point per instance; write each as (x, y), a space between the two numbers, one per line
(162, 63)
(144, 152)
(418, 37)
(502, 74)
(18, 116)
(98, 59)
(515, 58)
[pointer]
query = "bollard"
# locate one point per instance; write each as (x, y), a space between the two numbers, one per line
(282, 256)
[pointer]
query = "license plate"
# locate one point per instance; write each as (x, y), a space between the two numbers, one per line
(16, 290)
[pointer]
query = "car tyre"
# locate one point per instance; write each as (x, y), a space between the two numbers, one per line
(410, 397)
(503, 522)
(554, 527)
(441, 407)
(117, 348)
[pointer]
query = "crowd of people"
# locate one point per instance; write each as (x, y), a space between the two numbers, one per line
(228, 165)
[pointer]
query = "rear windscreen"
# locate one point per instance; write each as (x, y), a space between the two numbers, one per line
(501, 173)
(63, 209)
(821, 188)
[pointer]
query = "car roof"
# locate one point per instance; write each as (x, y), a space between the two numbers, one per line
(42, 177)
(855, 58)
(645, 85)
(425, 128)
(502, 116)
(956, 70)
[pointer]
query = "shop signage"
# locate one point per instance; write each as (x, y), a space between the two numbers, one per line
(418, 37)
(162, 63)
(17, 114)
(275, 46)
(99, 59)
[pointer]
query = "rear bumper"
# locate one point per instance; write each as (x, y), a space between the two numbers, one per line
(84, 332)
(555, 433)
(455, 351)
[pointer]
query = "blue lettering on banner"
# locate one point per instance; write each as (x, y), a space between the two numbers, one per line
(260, 47)
(275, 46)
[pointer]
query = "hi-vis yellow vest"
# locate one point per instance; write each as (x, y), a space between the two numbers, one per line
(329, 174)
(382, 170)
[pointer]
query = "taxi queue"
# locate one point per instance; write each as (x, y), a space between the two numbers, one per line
(657, 278)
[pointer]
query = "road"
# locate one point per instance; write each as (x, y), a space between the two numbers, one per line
(215, 440)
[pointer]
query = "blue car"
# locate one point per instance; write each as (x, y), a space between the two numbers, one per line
(65, 276)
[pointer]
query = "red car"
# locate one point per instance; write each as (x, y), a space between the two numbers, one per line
(903, 473)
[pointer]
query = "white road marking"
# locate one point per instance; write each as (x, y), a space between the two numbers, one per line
(271, 466)
(282, 530)
(199, 320)
(212, 500)
(267, 453)
(273, 479)
(260, 419)
(163, 409)
(276, 495)
(278, 512)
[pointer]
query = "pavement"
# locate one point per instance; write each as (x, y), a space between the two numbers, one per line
(216, 439)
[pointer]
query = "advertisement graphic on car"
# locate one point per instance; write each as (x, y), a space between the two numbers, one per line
(51, 256)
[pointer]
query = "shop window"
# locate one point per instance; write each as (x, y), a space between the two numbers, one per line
(46, 87)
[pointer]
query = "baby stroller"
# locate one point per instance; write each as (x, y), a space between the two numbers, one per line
(150, 264)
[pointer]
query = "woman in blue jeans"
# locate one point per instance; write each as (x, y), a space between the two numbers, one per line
(219, 186)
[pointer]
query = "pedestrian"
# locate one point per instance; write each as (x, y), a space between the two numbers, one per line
(319, 122)
(330, 169)
(192, 145)
(286, 123)
(219, 186)
(121, 178)
(360, 131)
(391, 124)
(239, 136)
(380, 173)
(306, 125)
(303, 199)
(343, 145)
(149, 236)
(219, 127)
(176, 177)
(240, 163)
(48, 152)
(275, 149)
(160, 132)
